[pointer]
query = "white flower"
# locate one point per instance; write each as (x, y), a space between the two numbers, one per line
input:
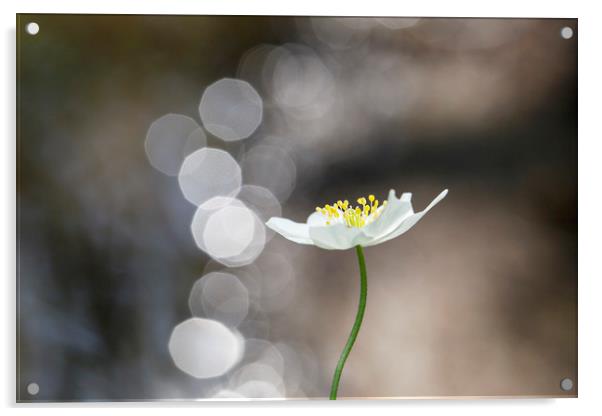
(340, 226)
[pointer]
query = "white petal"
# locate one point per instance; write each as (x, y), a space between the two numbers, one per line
(317, 219)
(435, 201)
(407, 222)
(392, 215)
(335, 237)
(294, 231)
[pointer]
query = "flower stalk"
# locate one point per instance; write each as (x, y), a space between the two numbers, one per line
(356, 325)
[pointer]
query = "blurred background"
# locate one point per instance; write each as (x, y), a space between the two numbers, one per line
(152, 149)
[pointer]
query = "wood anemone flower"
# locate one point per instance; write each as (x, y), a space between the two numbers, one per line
(340, 226)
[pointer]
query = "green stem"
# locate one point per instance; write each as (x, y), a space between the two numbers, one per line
(356, 325)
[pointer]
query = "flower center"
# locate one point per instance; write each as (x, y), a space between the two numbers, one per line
(342, 212)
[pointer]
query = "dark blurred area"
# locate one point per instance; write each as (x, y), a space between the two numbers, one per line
(478, 299)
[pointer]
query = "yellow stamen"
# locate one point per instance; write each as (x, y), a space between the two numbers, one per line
(358, 216)
(374, 206)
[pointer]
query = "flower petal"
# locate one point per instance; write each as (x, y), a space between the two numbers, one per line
(335, 236)
(407, 222)
(316, 219)
(294, 231)
(391, 216)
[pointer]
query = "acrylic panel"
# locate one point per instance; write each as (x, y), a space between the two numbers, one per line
(245, 207)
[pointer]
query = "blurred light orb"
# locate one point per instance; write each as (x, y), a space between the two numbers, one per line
(241, 343)
(262, 202)
(257, 389)
(167, 140)
(262, 351)
(341, 33)
(272, 168)
(384, 92)
(250, 66)
(566, 32)
(247, 274)
(300, 366)
(228, 231)
(252, 251)
(196, 140)
(231, 109)
(259, 372)
(300, 82)
(204, 348)
(397, 23)
(207, 173)
(277, 280)
(221, 297)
